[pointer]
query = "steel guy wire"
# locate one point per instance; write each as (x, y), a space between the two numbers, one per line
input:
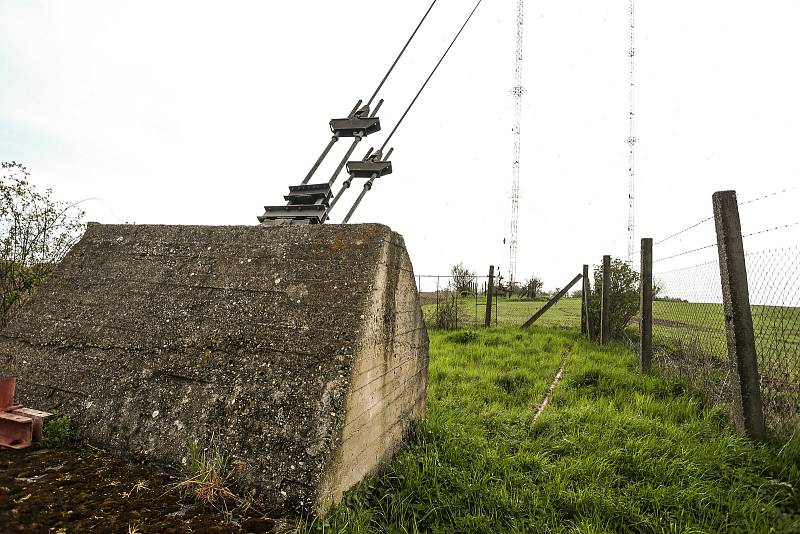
(402, 118)
(383, 81)
(368, 184)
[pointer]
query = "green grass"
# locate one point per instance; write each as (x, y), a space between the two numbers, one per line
(614, 452)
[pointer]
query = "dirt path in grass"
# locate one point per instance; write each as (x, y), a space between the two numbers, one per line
(553, 384)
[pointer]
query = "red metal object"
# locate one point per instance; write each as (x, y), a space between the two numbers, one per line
(7, 386)
(20, 427)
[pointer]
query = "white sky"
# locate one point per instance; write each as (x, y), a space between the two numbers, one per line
(203, 112)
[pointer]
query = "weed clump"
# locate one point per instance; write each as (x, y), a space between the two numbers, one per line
(209, 474)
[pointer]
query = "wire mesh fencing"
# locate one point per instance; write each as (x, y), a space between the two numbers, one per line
(689, 336)
(774, 277)
(450, 302)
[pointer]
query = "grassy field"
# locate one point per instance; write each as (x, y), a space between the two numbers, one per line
(614, 452)
(691, 338)
(514, 312)
(775, 327)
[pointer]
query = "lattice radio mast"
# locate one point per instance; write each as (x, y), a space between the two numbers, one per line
(632, 138)
(518, 91)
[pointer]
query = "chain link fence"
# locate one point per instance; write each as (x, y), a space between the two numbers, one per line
(774, 277)
(689, 336)
(452, 302)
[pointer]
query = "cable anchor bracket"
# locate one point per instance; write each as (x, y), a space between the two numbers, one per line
(309, 203)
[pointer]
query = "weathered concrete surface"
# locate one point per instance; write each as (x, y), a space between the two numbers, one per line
(300, 350)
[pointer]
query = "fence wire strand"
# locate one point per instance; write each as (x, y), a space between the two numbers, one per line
(701, 222)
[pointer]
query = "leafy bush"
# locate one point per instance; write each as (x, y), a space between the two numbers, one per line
(532, 287)
(35, 234)
(17, 282)
(624, 298)
(445, 315)
(463, 280)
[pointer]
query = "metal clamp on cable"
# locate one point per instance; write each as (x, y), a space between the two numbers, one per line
(375, 165)
(308, 203)
(359, 123)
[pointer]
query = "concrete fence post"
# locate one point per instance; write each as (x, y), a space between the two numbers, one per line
(489, 292)
(748, 408)
(646, 307)
(605, 309)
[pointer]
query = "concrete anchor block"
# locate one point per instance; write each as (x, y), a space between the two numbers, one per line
(298, 351)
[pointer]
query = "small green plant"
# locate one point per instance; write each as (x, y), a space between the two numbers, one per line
(56, 433)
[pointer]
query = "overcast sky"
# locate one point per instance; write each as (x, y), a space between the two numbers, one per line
(203, 112)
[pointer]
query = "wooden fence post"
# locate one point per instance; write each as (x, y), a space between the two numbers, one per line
(489, 292)
(585, 303)
(646, 307)
(748, 408)
(605, 309)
